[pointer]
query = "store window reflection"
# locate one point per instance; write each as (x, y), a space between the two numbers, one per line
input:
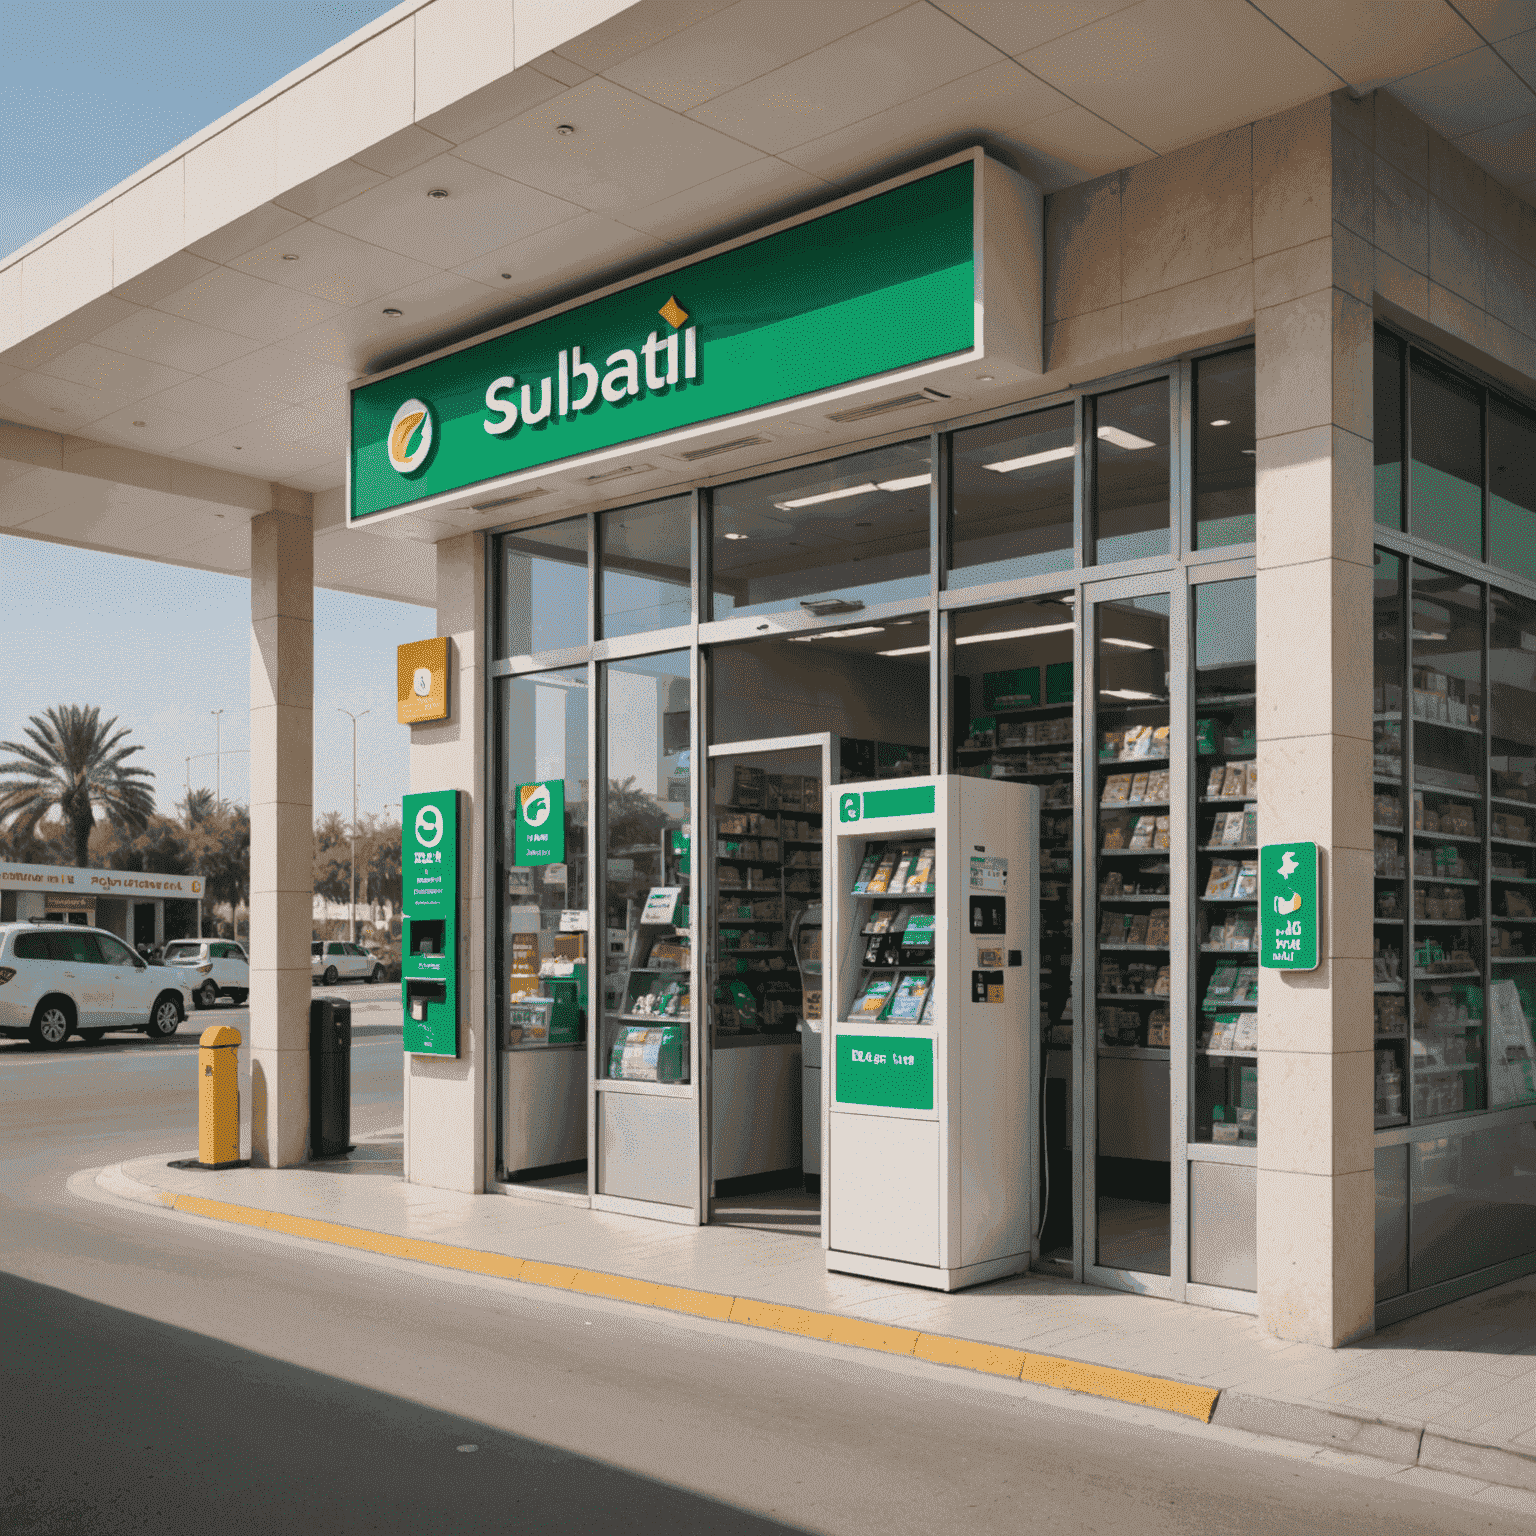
(1511, 488)
(1224, 450)
(1132, 933)
(1445, 493)
(1388, 390)
(855, 531)
(1013, 494)
(1131, 473)
(543, 579)
(648, 865)
(646, 568)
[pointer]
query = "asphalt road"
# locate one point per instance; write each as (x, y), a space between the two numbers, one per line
(165, 1375)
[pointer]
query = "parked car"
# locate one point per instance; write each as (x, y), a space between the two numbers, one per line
(222, 967)
(333, 960)
(59, 979)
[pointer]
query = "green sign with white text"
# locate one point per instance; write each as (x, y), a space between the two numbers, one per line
(539, 829)
(1288, 906)
(881, 284)
(429, 947)
(874, 804)
(886, 1071)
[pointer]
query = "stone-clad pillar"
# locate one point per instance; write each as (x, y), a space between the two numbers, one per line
(1316, 1188)
(282, 774)
(447, 1130)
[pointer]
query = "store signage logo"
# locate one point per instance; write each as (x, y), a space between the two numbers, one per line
(539, 832)
(577, 387)
(911, 800)
(429, 826)
(848, 808)
(1288, 906)
(410, 436)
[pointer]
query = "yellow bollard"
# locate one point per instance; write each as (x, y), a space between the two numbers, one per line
(218, 1097)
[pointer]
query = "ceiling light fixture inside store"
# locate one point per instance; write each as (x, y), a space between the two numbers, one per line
(1428, 634)
(738, 535)
(1014, 634)
(1129, 645)
(1221, 421)
(908, 650)
(1126, 440)
(1124, 693)
(565, 130)
(438, 192)
(291, 256)
(393, 312)
(866, 489)
(1046, 456)
(841, 634)
(911, 483)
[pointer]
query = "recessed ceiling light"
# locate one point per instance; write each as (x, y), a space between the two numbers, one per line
(1127, 645)
(1126, 440)
(1045, 456)
(1221, 422)
(736, 535)
(565, 130)
(1249, 452)
(239, 448)
(391, 312)
(838, 495)
(908, 650)
(290, 256)
(906, 483)
(1014, 634)
(983, 378)
(506, 277)
(438, 192)
(138, 423)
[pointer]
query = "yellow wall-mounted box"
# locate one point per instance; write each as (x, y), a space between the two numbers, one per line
(421, 677)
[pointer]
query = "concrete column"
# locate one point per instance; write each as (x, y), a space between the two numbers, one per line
(447, 1140)
(282, 775)
(1316, 1191)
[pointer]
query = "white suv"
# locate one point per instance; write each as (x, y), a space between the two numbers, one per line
(222, 967)
(331, 961)
(59, 979)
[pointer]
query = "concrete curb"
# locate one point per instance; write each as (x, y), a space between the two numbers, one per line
(1402, 1442)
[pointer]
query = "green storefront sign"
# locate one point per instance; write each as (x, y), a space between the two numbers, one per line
(1288, 906)
(539, 827)
(886, 1071)
(429, 941)
(878, 285)
(875, 804)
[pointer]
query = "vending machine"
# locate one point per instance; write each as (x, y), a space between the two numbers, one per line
(931, 1012)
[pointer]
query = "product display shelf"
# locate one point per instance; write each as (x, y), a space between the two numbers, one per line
(775, 996)
(1225, 886)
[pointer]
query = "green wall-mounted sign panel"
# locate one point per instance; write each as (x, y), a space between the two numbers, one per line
(875, 804)
(886, 1071)
(875, 286)
(1288, 909)
(429, 941)
(539, 833)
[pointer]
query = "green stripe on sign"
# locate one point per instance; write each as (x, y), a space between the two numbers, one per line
(916, 800)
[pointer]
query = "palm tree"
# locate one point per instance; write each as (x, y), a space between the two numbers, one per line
(197, 807)
(76, 762)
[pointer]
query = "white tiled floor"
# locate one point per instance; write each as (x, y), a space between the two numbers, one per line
(1468, 1369)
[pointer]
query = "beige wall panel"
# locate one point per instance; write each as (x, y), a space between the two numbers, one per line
(1292, 160)
(461, 46)
(1082, 248)
(147, 220)
(1317, 1280)
(73, 264)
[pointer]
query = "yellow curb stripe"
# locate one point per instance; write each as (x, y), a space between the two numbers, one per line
(1124, 1386)
(940, 1349)
(1195, 1402)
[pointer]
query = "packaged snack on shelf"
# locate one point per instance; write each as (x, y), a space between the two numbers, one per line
(1158, 1028)
(871, 1001)
(1114, 833)
(1157, 786)
(1113, 926)
(1247, 885)
(1157, 926)
(1205, 736)
(1138, 742)
(1222, 878)
(1162, 985)
(1222, 1129)
(1218, 991)
(917, 939)
(1242, 929)
(1141, 837)
(910, 997)
(1160, 739)
(1214, 781)
(920, 880)
(1138, 790)
(746, 1004)
(1234, 782)
(1111, 745)
(882, 949)
(880, 881)
(1137, 932)
(881, 918)
(1162, 837)
(1117, 789)
(1113, 884)
(1245, 1033)
(872, 852)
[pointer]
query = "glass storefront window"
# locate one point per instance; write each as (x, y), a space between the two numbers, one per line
(865, 683)
(647, 851)
(543, 581)
(1131, 473)
(1224, 450)
(1449, 754)
(854, 530)
(1512, 850)
(1388, 390)
(545, 956)
(1445, 502)
(645, 567)
(1389, 839)
(1225, 1102)
(1013, 494)
(1132, 938)
(1511, 488)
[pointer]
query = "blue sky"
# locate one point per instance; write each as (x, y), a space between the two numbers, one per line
(88, 94)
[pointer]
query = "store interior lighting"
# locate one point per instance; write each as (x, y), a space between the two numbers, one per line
(866, 489)
(1126, 693)
(991, 635)
(1129, 645)
(840, 634)
(1126, 440)
(1046, 456)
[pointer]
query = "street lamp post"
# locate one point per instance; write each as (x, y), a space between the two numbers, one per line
(218, 756)
(352, 908)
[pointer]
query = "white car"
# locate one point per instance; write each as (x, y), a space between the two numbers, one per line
(332, 960)
(222, 966)
(59, 979)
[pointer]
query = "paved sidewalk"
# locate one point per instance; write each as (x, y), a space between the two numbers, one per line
(1451, 1391)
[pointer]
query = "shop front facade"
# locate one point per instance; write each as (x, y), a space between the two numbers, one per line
(1149, 592)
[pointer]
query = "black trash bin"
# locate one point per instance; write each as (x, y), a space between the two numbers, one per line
(330, 1077)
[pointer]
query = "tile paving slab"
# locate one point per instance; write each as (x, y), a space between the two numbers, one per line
(1468, 1368)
